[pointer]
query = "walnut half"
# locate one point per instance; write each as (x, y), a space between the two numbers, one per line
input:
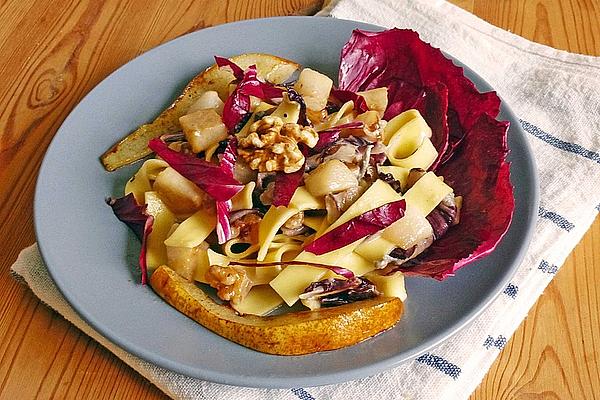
(232, 284)
(272, 145)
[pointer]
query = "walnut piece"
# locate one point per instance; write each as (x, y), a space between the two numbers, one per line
(272, 145)
(246, 228)
(296, 221)
(232, 284)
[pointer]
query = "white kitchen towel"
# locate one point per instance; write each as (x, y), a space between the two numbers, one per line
(556, 96)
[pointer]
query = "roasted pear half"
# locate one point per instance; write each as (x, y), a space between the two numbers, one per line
(135, 146)
(295, 333)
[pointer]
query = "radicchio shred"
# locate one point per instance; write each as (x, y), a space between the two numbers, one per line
(285, 186)
(238, 104)
(293, 95)
(227, 165)
(213, 179)
(138, 220)
(358, 227)
(360, 104)
(216, 180)
(331, 135)
(237, 71)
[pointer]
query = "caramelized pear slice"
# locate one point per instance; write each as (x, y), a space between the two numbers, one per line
(295, 333)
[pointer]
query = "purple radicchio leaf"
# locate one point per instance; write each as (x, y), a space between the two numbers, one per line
(399, 60)
(237, 71)
(336, 292)
(330, 135)
(474, 160)
(343, 96)
(285, 186)
(293, 95)
(358, 227)
(229, 157)
(237, 105)
(480, 174)
(138, 220)
(223, 226)
(213, 179)
(227, 164)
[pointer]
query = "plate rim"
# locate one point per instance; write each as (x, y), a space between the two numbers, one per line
(289, 382)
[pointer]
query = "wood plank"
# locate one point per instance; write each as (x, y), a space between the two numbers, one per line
(570, 25)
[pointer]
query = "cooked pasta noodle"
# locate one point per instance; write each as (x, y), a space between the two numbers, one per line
(239, 255)
(285, 252)
(243, 200)
(210, 152)
(141, 182)
(408, 144)
(344, 115)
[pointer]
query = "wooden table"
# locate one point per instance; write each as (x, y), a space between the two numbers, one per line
(54, 52)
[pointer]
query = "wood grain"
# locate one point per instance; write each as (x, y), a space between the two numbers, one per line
(54, 52)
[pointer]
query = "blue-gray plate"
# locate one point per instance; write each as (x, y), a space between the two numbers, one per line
(91, 255)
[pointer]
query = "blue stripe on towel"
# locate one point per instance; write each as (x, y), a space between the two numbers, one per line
(598, 207)
(302, 394)
(440, 364)
(557, 219)
(559, 143)
(511, 291)
(498, 343)
(548, 268)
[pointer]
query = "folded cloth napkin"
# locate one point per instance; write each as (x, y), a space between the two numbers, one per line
(555, 94)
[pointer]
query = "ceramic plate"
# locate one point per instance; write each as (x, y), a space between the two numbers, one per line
(91, 255)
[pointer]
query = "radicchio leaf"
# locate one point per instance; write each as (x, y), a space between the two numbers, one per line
(213, 179)
(237, 71)
(237, 105)
(227, 165)
(293, 95)
(285, 186)
(399, 60)
(365, 290)
(358, 227)
(433, 106)
(480, 174)
(229, 157)
(443, 216)
(223, 227)
(336, 292)
(329, 286)
(326, 138)
(331, 135)
(360, 104)
(138, 220)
